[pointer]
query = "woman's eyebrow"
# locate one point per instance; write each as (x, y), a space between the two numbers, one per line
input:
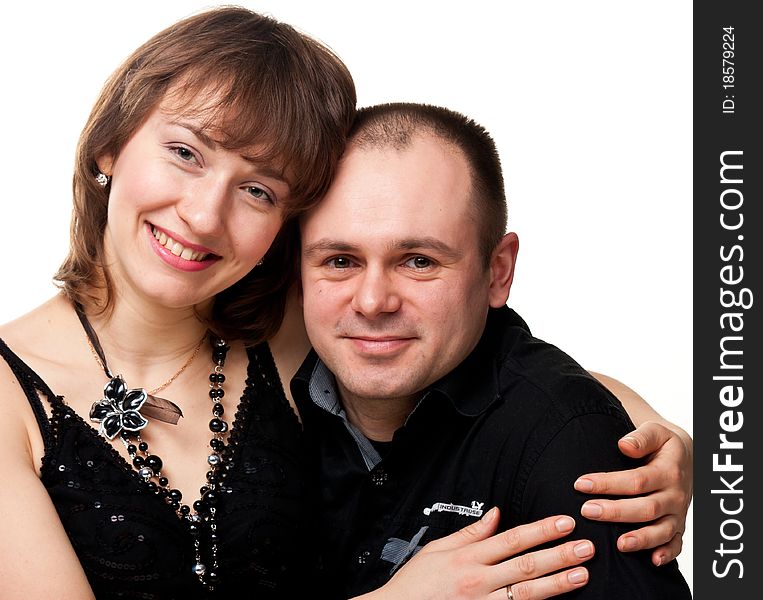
(263, 167)
(199, 133)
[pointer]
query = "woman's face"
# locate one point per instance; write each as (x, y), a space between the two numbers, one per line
(186, 218)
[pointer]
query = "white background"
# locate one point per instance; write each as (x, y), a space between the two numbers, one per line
(590, 104)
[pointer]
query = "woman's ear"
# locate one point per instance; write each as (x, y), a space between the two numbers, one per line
(105, 164)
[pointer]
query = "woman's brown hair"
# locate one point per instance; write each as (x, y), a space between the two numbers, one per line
(274, 88)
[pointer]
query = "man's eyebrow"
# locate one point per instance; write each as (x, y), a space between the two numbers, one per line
(428, 243)
(327, 245)
(423, 243)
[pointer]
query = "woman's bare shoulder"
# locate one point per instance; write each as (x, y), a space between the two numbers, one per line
(17, 420)
(32, 338)
(41, 339)
(33, 334)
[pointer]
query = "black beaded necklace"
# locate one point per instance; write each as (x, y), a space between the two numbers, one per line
(118, 413)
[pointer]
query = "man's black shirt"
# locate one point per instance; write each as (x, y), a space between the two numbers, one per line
(513, 426)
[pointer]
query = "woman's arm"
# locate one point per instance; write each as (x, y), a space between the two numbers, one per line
(666, 480)
(36, 558)
(637, 408)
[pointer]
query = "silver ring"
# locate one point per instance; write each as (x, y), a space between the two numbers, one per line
(509, 593)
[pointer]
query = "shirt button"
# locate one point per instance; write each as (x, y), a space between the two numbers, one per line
(363, 557)
(379, 477)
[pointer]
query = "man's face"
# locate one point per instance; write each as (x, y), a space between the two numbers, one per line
(395, 291)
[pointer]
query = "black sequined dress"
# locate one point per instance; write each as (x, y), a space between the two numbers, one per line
(131, 543)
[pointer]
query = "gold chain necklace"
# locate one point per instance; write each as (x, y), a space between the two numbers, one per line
(171, 379)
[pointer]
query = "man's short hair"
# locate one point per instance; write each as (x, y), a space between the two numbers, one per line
(395, 125)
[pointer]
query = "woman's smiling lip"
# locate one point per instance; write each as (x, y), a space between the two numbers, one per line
(185, 243)
(178, 252)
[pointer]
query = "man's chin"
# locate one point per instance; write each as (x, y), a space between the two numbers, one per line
(387, 387)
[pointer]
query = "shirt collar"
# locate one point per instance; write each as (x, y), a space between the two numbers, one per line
(474, 385)
(321, 387)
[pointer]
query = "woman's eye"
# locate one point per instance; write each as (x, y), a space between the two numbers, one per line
(184, 153)
(260, 194)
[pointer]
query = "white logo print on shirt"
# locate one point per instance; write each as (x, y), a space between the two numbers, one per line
(474, 511)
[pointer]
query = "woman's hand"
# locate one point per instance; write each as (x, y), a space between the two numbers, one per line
(469, 565)
(666, 482)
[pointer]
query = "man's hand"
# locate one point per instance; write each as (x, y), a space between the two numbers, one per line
(664, 486)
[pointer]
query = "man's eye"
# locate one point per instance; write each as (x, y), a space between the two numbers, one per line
(419, 262)
(340, 262)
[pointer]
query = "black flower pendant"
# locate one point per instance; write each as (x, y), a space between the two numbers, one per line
(119, 408)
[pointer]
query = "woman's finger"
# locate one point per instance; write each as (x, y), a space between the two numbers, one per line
(539, 563)
(544, 587)
(644, 440)
(474, 532)
(667, 552)
(640, 480)
(662, 531)
(631, 510)
(518, 539)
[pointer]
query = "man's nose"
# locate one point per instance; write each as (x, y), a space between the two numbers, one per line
(376, 293)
